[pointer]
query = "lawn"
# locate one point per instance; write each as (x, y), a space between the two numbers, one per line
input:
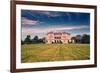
(54, 52)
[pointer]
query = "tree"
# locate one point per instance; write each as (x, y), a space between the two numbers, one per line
(86, 38)
(27, 39)
(73, 40)
(36, 38)
(78, 38)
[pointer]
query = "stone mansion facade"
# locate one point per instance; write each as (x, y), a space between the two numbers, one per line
(58, 37)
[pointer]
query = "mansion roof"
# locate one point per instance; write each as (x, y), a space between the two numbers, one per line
(58, 33)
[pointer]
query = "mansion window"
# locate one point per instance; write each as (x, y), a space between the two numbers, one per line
(57, 37)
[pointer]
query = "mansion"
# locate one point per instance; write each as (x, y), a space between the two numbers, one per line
(58, 37)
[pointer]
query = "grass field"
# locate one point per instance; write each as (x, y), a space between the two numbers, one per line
(54, 52)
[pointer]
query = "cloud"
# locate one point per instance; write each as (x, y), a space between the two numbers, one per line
(48, 13)
(73, 27)
(25, 21)
(45, 30)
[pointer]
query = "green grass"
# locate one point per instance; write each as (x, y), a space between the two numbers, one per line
(54, 52)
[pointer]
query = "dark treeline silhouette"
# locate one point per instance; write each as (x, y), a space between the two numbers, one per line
(35, 40)
(28, 40)
(84, 39)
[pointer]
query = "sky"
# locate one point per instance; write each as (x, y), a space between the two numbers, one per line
(35, 22)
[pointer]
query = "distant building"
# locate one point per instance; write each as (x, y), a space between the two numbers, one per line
(58, 37)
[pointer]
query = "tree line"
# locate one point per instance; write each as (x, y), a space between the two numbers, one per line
(77, 39)
(35, 40)
(81, 39)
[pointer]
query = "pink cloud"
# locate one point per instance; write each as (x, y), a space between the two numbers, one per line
(73, 27)
(59, 28)
(45, 30)
(24, 30)
(28, 21)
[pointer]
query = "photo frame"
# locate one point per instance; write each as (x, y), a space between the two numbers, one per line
(49, 18)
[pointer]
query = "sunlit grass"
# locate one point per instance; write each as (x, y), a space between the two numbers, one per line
(54, 52)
